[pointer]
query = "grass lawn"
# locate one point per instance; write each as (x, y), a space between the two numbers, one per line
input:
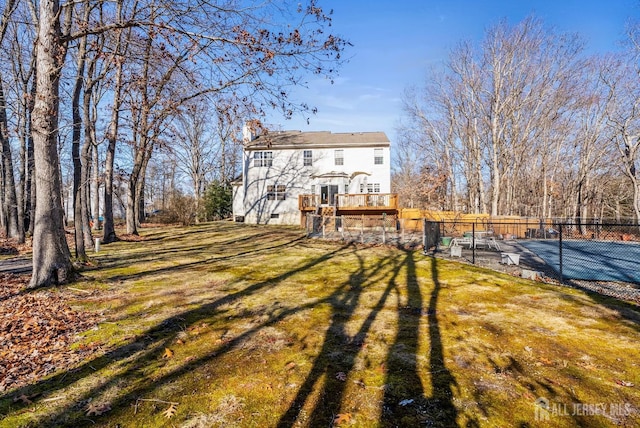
(253, 326)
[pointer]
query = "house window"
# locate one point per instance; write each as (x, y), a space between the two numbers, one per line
(370, 188)
(308, 158)
(263, 159)
(339, 156)
(275, 215)
(378, 158)
(276, 192)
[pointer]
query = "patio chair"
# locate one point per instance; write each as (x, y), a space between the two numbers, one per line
(466, 240)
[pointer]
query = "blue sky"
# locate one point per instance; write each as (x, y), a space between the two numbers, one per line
(396, 41)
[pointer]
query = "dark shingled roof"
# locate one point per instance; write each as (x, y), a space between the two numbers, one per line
(320, 139)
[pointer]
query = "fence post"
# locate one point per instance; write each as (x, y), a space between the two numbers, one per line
(560, 253)
(362, 229)
(323, 223)
(384, 228)
(308, 217)
(342, 224)
(473, 243)
(424, 235)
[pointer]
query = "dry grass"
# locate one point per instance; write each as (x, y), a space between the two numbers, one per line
(265, 328)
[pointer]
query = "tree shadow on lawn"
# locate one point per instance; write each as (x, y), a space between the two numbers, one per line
(222, 228)
(266, 241)
(146, 348)
(254, 248)
(334, 362)
(337, 357)
(404, 401)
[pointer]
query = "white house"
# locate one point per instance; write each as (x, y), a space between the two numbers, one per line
(283, 167)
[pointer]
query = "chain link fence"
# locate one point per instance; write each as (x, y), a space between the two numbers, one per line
(564, 250)
(560, 249)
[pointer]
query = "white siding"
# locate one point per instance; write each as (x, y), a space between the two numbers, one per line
(251, 199)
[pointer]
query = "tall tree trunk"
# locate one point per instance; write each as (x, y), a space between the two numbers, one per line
(51, 256)
(109, 231)
(140, 201)
(29, 181)
(133, 189)
(130, 216)
(78, 194)
(3, 211)
(95, 185)
(10, 202)
(79, 190)
(140, 187)
(86, 159)
(20, 190)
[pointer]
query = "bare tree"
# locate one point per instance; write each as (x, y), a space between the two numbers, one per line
(252, 54)
(117, 58)
(193, 147)
(20, 90)
(496, 117)
(623, 116)
(8, 198)
(51, 256)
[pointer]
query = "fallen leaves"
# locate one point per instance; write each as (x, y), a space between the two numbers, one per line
(168, 353)
(24, 399)
(342, 418)
(545, 361)
(94, 409)
(624, 383)
(36, 331)
(290, 366)
(168, 413)
(12, 247)
(171, 411)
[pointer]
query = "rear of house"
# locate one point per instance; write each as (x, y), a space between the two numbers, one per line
(286, 173)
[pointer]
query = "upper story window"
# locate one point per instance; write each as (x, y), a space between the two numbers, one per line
(378, 157)
(263, 159)
(308, 158)
(339, 156)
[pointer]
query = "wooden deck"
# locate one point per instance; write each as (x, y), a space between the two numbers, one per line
(360, 203)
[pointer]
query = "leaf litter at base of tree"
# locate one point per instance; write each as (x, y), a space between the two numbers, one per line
(37, 329)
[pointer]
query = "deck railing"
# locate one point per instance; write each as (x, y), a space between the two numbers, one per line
(361, 201)
(308, 202)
